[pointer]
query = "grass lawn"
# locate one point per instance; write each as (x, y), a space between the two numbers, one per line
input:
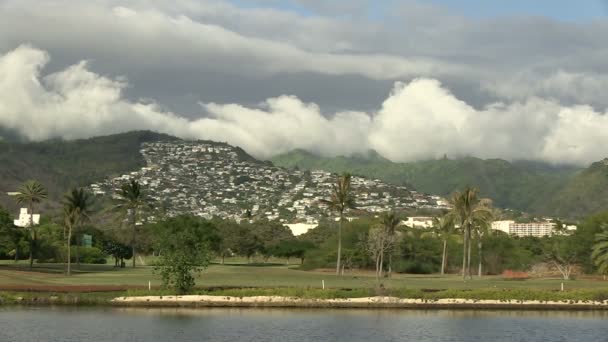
(269, 275)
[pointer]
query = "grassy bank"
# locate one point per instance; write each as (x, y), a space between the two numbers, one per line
(104, 298)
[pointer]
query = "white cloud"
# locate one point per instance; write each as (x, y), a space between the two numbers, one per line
(418, 120)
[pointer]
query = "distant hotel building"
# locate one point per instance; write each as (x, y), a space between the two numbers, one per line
(24, 219)
(537, 229)
(418, 222)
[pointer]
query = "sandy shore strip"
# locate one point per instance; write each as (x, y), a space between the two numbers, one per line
(365, 302)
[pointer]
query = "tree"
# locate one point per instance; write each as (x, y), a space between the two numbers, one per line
(444, 226)
(76, 211)
(470, 212)
(390, 221)
(10, 236)
(185, 244)
(269, 234)
(132, 204)
(563, 252)
(341, 200)
(378, 241)
(292, 248)
(599, 253)
(30, 194)
(482, 229)
(118, 251)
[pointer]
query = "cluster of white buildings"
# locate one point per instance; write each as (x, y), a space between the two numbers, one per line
(217, 180)
(537, 229)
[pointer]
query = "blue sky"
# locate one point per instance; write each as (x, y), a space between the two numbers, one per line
(568, 10)
(559, 9)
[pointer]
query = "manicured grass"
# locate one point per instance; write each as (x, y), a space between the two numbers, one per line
(271, 276)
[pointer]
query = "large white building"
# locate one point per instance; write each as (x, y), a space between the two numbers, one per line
(538, 229)
(418, 222)
(24, 219)
(301, 228)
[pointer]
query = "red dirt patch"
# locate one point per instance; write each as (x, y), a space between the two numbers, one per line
(69, 288)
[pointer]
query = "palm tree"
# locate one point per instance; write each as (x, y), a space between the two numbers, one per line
(77, 208)
(482, 229)
(341, 200)
(31, 193)
(599, 253)
(444, 226)
(132, 203)
(470, 212)
(390, 221)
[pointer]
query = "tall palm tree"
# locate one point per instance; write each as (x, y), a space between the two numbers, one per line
(341, 200)
(444, 226)
(77, 210)
(132, 203)
(469, 211)
(390, 221)
(599, 253)
(482, 228)
(31, 193)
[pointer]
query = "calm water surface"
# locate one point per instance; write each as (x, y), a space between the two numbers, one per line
(118, 325)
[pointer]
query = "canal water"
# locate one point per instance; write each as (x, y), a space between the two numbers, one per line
(69, 324)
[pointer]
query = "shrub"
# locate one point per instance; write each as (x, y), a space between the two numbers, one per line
(89, 255)
(413, 267)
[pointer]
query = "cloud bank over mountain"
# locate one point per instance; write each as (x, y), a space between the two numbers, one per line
(419, 119)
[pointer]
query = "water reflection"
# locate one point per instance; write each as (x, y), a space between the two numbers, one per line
(237, 324)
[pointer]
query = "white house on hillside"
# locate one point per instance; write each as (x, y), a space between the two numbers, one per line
(24, 219)
(418, 222)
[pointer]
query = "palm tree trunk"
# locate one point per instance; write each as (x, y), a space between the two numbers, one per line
(445, 246)
(469, 257)
(464, 253)
(77, 250)
(69, 271)
(378, 269)
(480, 258)
(339, 245)
(32, 235)
(390, 264)
(133, 243)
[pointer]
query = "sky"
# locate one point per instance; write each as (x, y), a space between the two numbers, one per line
(410, 79)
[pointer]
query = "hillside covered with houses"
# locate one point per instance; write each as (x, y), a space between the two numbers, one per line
(218, 180)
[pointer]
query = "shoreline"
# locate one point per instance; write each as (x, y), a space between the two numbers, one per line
(205, 301)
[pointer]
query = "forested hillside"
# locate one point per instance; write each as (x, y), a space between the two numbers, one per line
(535, 187)
(60, 164)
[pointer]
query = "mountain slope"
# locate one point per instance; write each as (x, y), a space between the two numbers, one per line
(60, 164)
(520, 185)
(585, 193)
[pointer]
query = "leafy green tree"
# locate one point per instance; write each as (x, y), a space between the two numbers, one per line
(292, 248)
(10, 236)
(341, 200)
(76, 211)
(563, 253)
(599, 254)
(118, 251)
(229, 233)
(269, 234)
(132, 203)
(470, 212)
(30, 194)
(185, 244)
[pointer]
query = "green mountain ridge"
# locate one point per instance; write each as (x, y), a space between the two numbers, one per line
(531, 186)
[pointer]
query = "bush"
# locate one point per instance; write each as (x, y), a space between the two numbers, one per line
(413, 267)
(89, 255)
